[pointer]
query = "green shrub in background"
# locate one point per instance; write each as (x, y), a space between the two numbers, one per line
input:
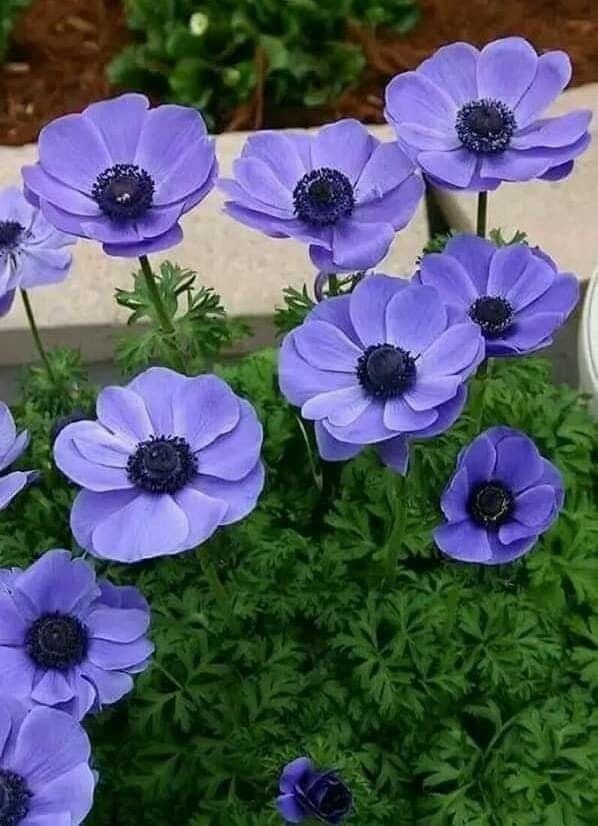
(203, 54)
(9, 9)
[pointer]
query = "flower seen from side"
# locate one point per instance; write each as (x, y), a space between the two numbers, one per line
(168, 460)
(123, 174)
(378, 366)
(67, 640)
(472, 119)
(340, 191)
(503, 495)
(306, 792)
(12, 445)
(32, 252)
(514, 293)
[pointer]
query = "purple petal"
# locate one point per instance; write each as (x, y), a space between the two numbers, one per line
(299, 381)
(113, 656)
(93, 458)
(399, 416)
(117, 625)
(428, 393)
(368, 304)
(555, 173)
(8, 430)
(508, 553)
(157, 221)
(336, 310)
(428, 140)
(204, 408)
(52, 689)
(290, 808)
(506, 69)
(90, 508)
(324, 346)
(456, 351)
(514, 165)
(144, 247)
(553, 73)
(449, 277)
(146, 527)
(6, 302)
(72, 791)
(358, 246)
(415, 317)
(456, 167)
(111, 686)
(386, 169)
(368, 429)
(411, 97)
(463, 541)
(57, 193)
(340, 407)
(71, 149)
(241, 496)
(10, 485)
(122, 411)
(345, 145)
(507, 268)
(119, 122)
(535, 280)
(455, 497)
(232, 455)
(204, 512)
(245, 206)
(554, 132)
(480, 460)
(295, 774)
(513, 531)
(256, 177)
(58, 582)
(279, 151)
(157, 387)
(16, 672)
(330, 449)
(536, 506)
(12, 624)
(122, 596)
(562, 297)
(49, 744)
(396, 208)
(518, 463)
(191, 173)
(474, 254)
(453, 69)
(394, 453)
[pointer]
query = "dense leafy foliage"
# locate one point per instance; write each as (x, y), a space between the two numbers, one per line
(445, 693)
(9, 9)
(208, 53)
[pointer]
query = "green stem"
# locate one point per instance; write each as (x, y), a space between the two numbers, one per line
(163, 318)
(219, 593)
(482, 214)
(395, 539)
(37, 338)
(333, 284)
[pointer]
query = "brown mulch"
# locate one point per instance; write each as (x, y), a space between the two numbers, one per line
(61, 48)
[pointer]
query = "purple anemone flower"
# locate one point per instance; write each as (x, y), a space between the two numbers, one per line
(502, 497)
(168, 461)
(68, 641)
(379, 365)
(472, 119)
(123, 174)
(514, 293)
(341, 191)
(45, 778)
(32, 251)
(11, 447)
(306, 792)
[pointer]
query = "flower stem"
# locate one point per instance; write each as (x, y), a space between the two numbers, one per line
(482, 214)
(395, 538)
(37, 338)
(219, 593)
(164, 319)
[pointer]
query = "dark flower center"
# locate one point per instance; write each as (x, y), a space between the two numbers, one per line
(485, 125)
(57, 641)
(329, 798)
(124, 192)
(385, 371)
(14, 798)
(491, 504)
(323, 197)
(162, 464)
(10, 234)
(493, 313)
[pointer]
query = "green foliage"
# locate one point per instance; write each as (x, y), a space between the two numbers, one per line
(9, 10)
(449, 695)
(204, 53)
(201, 328)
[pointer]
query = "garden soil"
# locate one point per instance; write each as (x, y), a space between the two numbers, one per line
(60, 49)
